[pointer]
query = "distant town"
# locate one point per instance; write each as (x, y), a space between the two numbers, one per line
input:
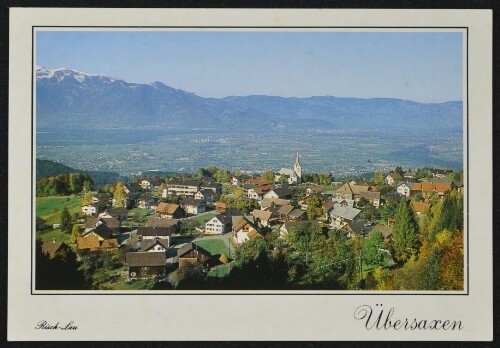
(216, 229)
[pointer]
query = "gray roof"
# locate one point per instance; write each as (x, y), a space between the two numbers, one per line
(348, 213)
(195, 183)
(191, 202)
(140, 259)
(370, 195)
(407, 183)
(148, 243)
(155, 231)
(296, 213)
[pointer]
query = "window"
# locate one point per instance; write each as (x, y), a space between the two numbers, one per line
(132, 274)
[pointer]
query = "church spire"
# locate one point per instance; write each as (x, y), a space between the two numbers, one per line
(297, 159)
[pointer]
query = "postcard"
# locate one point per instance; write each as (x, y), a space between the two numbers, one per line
(198, 174)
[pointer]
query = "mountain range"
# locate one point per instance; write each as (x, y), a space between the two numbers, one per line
(68, 99)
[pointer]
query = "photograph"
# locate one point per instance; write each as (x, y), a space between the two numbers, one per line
(249, 159)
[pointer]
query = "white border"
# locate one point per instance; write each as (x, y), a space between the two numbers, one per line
(263, 317)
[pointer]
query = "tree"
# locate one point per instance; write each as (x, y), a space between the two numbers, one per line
(404, 235)
(66, 220)
(199, 173)
(315, 208)
(59, 272)
(87, 186)
(75, 232)
(190, 276)
(88, 198)
(371, 249)
(119, 194)
(269, 175)
(378, 177)
(399, 170)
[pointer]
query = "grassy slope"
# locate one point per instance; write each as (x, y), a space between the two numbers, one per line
(46, 205)
(45, 209)
(213, 246)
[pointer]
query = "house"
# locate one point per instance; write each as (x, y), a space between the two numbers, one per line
(258, 192)
(340, 215)
(273, 202)
(118, 213)
(345, 192)
(160, 222)
(440, 173)
(238, 180)
(409, 175)
(372, 197)
(52, 247)
(405, 188)
(110, 244)
(297, 214)
(93, 222)
(392, 178)
(185, 188)
(263, 218)
(102, 231)
(192, 205)
(212, 186)
(149, 184)
(155, 233)
(259, 181)
(102, 197)
(314, 189)
(143, 265)
(90, 242)
(384, 229)
(284, 211)
(426, 189)
(344, 202)
(147, 202)
(169, 211)
(419, 207)
(131, 188)
(94, 208)
(243, 230)
(279, 193)
(219, 224)
(154, 245)
(208, 196)
(192, 253)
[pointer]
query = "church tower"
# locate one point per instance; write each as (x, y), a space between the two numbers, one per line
(297, 168)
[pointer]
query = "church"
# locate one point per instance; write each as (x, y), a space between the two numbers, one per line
(293, 176)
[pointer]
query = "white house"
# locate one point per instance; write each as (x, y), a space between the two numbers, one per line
(392, 178)
(154, 245)
(89, 209)
(404, 188)
(244, 230)
(340, 215)
(192, 205)
(218, 224)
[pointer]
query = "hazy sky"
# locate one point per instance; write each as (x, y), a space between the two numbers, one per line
(424, 66)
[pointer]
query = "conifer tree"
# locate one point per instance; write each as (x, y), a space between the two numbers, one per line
(66, 220)
(404, 235)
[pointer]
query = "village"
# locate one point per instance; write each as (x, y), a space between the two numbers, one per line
(155, 227)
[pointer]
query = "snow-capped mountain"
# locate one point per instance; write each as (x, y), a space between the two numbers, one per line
(67, 98)
(62, 73)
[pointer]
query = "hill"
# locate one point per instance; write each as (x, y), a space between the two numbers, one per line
(46, 168)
